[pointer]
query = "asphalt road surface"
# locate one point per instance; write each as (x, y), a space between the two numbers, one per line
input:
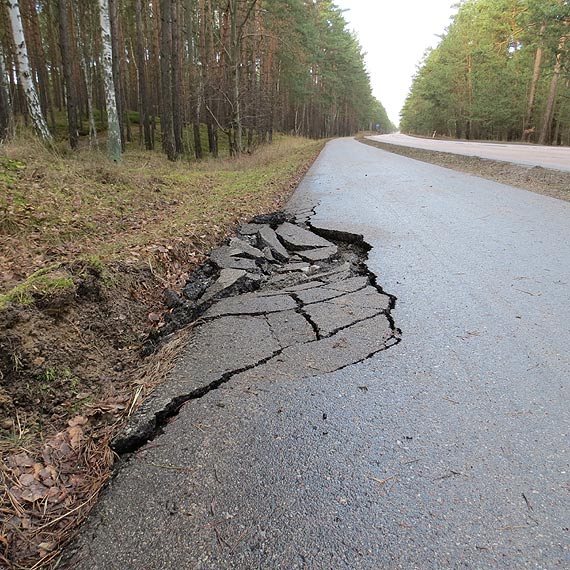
(554, 157)
(448, 450)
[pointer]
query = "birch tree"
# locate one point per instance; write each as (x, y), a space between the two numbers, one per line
(25, 73)
(114, 129)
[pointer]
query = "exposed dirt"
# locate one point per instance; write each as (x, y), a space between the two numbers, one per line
(552, 183)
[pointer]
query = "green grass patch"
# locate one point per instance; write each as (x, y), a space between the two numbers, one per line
(40, 284)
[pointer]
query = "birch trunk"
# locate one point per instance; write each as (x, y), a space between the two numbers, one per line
(25, 72)
(114, 129)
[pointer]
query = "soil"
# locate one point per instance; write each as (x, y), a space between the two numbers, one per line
(553, 183)
(71, 348)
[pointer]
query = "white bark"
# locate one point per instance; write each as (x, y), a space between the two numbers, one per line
(25, 72)
(114, 130)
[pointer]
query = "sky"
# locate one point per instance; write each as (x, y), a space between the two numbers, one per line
(395, 34)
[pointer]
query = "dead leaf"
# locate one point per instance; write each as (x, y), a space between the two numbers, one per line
(75, 436)
(47, 546)
(34, 493)
(77, 421)
(23, 460)
(26, 480)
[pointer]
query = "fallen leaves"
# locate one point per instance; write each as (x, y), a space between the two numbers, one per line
(44, 490)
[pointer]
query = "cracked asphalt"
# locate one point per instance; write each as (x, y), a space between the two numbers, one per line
(447, 450)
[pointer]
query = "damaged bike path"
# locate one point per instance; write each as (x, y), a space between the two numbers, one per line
(447, 450)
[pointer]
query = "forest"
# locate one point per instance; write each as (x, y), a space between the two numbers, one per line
(182, 74)
(500, 72)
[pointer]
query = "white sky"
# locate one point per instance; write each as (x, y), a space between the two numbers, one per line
(394, 34)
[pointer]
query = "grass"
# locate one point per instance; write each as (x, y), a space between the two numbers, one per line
(39, 284)
(55, 208)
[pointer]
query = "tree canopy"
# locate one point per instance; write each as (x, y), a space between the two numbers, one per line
(501, 72)
(179, 71)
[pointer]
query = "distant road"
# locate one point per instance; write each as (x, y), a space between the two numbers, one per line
(546, 156)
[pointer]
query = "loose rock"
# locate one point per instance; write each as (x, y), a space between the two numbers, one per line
(319, 254)
(244, 249)
(268, 238)
(297, 238)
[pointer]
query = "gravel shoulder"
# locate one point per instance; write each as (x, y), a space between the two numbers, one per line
(553, 183)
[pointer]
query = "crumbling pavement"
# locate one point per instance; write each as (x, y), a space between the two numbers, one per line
(282, 299)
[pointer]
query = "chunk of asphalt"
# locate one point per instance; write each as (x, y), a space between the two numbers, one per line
(298, 266)
(268, 254)
(268, 238)
(291, 289)
(244, 249)
(317, 295)
(224, 257)
(251, 304)
(274, 219)
(218, 348)
(350, 285)
(337, 276)
(329, 274)
(349, 346)
(249, 229)
(297, 238)
(340, 312)
(319, 254)
(195, 289)
(172, 299)
(289, 327)
(228, 278)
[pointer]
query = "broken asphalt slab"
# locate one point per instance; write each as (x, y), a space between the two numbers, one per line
(280, 323)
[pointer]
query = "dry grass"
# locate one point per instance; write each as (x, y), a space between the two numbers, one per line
(55, 208)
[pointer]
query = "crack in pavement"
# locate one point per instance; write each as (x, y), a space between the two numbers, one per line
(301, 311)
(249, 334)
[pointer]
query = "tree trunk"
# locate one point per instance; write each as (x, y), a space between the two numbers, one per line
(166, 115)
(549, 112)
(528, 127)
(38, 62)
(87, 75)
(116, 66)
(25, 73)
(66, 58)
(176, 78)
(114, 146)
(6, 110)
(235, 62)
(142, 77)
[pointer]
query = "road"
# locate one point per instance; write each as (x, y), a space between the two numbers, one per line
(448, 450)
(557, 158)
